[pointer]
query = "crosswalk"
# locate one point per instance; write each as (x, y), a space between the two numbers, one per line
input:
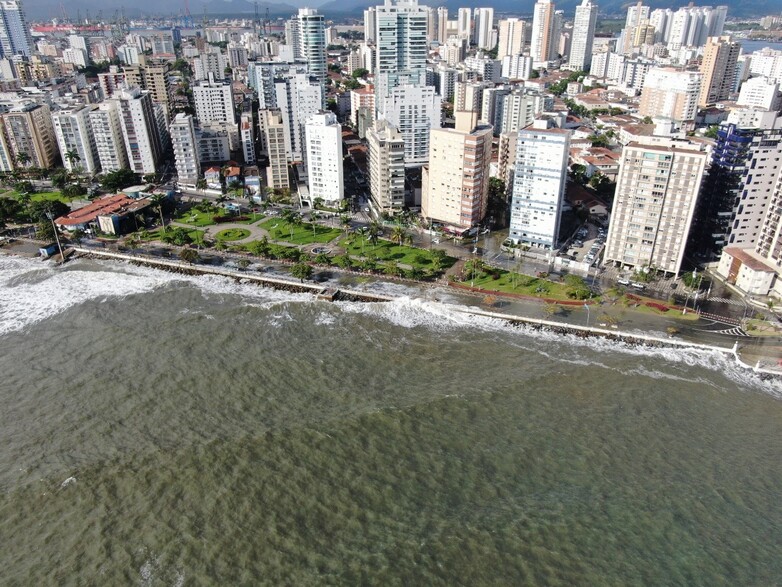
(732, 332)
(730, 301)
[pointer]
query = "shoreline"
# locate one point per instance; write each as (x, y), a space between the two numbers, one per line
(345, 294)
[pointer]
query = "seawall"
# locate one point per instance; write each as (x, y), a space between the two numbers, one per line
(362, 296)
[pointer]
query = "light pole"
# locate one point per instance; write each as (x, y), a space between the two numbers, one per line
(587, 309)
(56, 236)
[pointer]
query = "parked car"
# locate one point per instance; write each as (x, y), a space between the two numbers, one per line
(637, 285)
(622, 281)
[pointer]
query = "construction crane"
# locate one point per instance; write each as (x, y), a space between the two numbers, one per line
(188, 19)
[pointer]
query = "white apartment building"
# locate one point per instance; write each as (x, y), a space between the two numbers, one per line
(512, 37)
(767, 63)
(455, 183)
(515, 67)
(670, 93)
(761, 93)
(213, 63)
(140, 130)
(415, 111)
(386, 168)
(109, 140)
(464, 24)
(518, 110)
(401, 46)
(273, 139)
(74, 134)
(247, 137)
(656, 193)
(324, 159)
(185, 145)
(312, 42)
(214, 102)
(298, 97)
(584, 24)
(484, 24)
(539, 185)
(213, 143)
(370, 25)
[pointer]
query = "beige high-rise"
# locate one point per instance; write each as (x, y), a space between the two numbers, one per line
(28, 129)
(456, 181)
(656, 192)
(512, 37)
(273, 140)
(386, 168)
(719, 69)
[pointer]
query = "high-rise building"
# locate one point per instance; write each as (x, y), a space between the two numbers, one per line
(519, 109)
(415, 111)
(214, 103)
(484, 24)
(386, 168)
(442, 24)
(324, 159)
(74, 134)
(656, 192)
(637, 14)
(464, 24)
(140, 129)
(28, 130)
(719, 69)
(760, 92)
(431, 24)
(513, 37)
(543, 42)
(370, 25)
(298, 97)
(273, 141)
(744, 167)
(455, 183)
(516, 67)
(185, 145)
(247, 134)
(580, 55)
(15, 38)
(312, 42)
(670, 93)
(539, 185)
(401, 46)
(109, 141)
(212, 62)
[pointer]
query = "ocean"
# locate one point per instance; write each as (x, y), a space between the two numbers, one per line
(159, 429)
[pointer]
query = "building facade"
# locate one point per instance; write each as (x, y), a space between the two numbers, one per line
(324, 159)
(386, 168)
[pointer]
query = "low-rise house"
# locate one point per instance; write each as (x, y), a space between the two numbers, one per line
(111, 215)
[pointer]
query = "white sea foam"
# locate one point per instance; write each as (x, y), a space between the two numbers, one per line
(31, 292)
(68, 481)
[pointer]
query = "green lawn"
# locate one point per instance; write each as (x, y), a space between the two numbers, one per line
(195, 217)
(232, 234)
(197, 236)
(281, 230)
(386, 250)
(509, 282)
(50, 197)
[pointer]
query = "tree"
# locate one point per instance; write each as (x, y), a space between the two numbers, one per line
(179, 236)
(301, 271)
(343, 261)
(398, 234)
(77, 235)
(23, 158)
(314, 217)
(158, 200)
(44, 230)
(189, 256)
(599, 140)
(438, 257)
(72, 156)
(40, 211)
(121, 178)
(390, 268)
(359, 72)
(150, 178)
(74, 190)
(322, 259)
(373, 231)
(260, 248)
(345, 221)
(711, 132)
(59, 179)
(201, 184)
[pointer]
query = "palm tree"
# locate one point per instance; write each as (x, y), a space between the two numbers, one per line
(345, 220)
(398, 234)
(23, 158)
(314, 217)
(373, 231)
(201, 184)
(72, 155)
(157, 201)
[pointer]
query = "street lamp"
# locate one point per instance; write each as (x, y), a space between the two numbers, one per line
(587, 309)
(56, 236)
